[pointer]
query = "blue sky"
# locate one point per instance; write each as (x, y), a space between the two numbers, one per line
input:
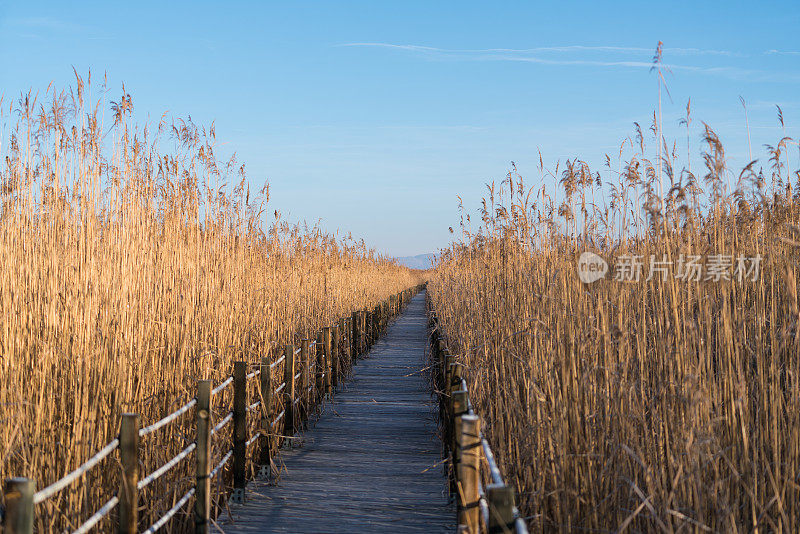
(370, 117)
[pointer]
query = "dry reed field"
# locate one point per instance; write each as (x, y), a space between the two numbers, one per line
(661, 405)
(130, 271)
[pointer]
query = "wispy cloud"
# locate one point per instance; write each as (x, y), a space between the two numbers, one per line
(591, 56)
(546, 49)
(43, 23)
(782, 53)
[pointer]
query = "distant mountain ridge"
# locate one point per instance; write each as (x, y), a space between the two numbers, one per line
(420, 261)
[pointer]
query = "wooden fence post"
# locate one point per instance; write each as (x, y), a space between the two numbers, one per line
(373, 319)
(289, 396)
(456, 372)
(320, 388)
(239, 430)
(469, 472)
(368, 315)
(18, 495)
(500, 499)
(335, 356)
(326, 343)
(265, 439)
(202, 488)
(305, 379)
(129, 458)
(376, 319)
(448, 368)
(353, 337)
(459, 408)
(362, 332)
(344, 357)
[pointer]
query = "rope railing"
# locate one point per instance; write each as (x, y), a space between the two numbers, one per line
(172, 511)
(362, 325)
(55, 487)
(222, 386)
(221, 464)
(98, 515)
(155, 475)
(280, 416)
(168, 419)
(225, 420)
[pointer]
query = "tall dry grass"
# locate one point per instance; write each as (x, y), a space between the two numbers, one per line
(658, 406)
(129, 271)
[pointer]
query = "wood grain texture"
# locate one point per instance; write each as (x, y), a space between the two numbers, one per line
(369, 463)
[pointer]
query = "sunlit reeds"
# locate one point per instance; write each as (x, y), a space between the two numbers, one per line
(130, 270)
(662, 405)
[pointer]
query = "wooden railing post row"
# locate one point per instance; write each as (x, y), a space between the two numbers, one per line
(18, 496)
(265, 439)
(458, 408)
(436, 356)
(365, 330)
(334, 356)
(362, 332)
(375, 321)
(129, 458)
(326, 344)
(369, 327)
(320, 379)
(239, 433)
(202, 489)
(469, 443)
(374, 325)
(353, 337)
(305, 382)
(344, 356)
(288, 393)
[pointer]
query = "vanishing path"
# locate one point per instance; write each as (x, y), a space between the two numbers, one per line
(369, 464)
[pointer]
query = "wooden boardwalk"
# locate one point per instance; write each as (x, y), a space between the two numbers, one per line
(370, 462)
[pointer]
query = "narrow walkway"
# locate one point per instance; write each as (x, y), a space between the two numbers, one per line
(369, 464)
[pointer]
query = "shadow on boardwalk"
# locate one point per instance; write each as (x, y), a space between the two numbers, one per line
(369, 464)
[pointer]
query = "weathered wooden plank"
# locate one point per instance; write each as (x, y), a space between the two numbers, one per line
(370, 462)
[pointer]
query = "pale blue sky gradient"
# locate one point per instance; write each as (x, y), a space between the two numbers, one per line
(372, 116)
